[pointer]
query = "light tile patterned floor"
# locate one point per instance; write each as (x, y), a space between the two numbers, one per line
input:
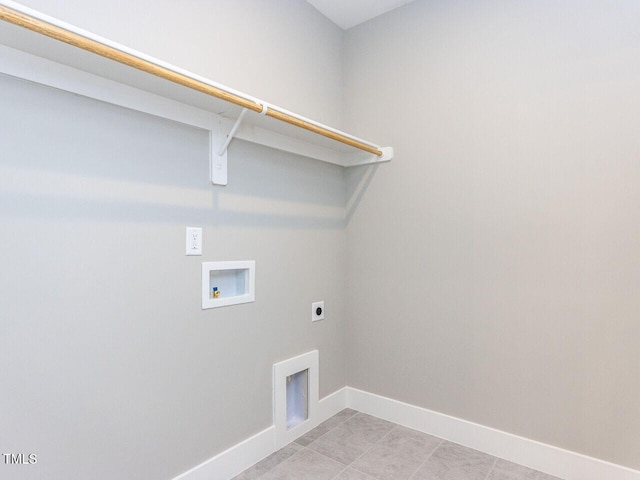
(355, 446)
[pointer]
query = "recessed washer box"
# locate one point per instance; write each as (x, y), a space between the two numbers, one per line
(228, 283)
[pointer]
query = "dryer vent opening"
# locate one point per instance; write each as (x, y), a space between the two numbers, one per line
(295, 397)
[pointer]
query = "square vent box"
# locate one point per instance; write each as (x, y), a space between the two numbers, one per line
(228, 283)
(295, 397)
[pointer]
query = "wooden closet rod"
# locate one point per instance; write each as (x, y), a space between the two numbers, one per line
(44, 28)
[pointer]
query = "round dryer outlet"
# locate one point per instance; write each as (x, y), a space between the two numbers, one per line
(317, 311)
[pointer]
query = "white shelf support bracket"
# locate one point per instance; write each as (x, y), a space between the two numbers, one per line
(387, 155)
(218, 150)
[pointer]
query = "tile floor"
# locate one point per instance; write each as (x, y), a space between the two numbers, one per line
(355, 446)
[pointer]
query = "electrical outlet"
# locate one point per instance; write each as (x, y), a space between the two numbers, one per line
(317, 311)
(194, 241)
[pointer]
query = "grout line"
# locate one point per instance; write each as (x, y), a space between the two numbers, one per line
(350, 465)
(277, 464)
(427, 459)
(339, 473)
(341, 423)
(363, 454)
(395, 425)
(347, 466)
(491, 469)
(322, 454)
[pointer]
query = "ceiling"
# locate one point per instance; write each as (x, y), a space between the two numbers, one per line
(349, 13)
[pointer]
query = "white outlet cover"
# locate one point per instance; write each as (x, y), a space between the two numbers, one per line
(314, 315)
(194, 241)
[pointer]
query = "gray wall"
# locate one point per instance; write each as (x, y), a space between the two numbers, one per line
(109, 367)
(282, 51)
(491, 269)
(494, 265)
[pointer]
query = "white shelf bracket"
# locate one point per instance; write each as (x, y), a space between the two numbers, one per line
(71, 71)
(387, 155)
(218, 150)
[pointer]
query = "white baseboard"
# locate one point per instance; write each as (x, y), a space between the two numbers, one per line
(235, 460)
(238, 458)
(332, 404)
(539, 456)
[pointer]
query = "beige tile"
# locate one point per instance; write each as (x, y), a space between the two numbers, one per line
(305, 465)
(351, 474)
(269, 463)
(341, 417)
(367, 423)
(351, 439)
(398, 455)
(504, 470)
(403, 437)
(326, 426)
(381, 450)
(455, 462)
(389, 464)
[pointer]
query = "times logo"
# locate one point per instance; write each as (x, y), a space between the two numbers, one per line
(20, 458)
